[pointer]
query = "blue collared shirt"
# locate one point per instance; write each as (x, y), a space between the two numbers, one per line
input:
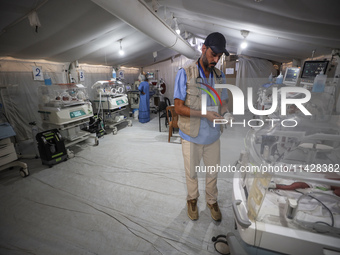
(207, 133)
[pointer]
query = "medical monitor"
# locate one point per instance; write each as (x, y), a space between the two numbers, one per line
(150, 75)
(311, 69)
(291, 76)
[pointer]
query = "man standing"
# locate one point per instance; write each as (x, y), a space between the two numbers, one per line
(200, 139)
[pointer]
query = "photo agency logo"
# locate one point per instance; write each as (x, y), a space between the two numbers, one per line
(238, 105)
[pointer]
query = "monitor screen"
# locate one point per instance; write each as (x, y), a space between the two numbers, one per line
(313, 68)
(291, 76)
(310, 70)
(150, 75)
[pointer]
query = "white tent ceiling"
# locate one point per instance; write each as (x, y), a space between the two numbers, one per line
(82, 30)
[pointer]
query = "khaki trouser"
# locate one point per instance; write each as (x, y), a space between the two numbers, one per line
(192, 154)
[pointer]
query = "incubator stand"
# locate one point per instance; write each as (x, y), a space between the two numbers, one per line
(110, 99)
(157, 90)
(133, 97)
(66, 107)
(303, 221)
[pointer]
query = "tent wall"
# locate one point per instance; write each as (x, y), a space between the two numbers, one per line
(130, 74)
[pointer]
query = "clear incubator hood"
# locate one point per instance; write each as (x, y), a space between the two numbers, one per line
(301, 149)
(62, 95)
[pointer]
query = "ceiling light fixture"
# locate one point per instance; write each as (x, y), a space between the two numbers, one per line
(244, 43)
(121, 52)
(178, 31)
(34, 20)
(193, 40)
(154, 54)
(155, 5)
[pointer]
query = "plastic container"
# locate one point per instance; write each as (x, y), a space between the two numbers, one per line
(270, 78)
(135, 114)
(319, 82)
(279, 79)
(47, 79)
(114, 75)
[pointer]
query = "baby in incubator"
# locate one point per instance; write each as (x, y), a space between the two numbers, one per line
(304, 185)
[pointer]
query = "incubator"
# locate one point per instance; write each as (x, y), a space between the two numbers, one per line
(110, 98)
(299, 221)
(65, 107)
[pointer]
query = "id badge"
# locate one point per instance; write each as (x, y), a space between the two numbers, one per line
(212, 108)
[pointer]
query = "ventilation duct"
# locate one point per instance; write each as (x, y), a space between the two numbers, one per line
(138, 15)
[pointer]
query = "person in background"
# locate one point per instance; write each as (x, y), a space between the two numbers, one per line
(200, 139)
(144, 102)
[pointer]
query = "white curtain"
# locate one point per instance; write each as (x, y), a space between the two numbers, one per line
(253, 72)
(167, 70)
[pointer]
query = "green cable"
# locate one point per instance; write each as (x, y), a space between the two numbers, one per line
(209, 94)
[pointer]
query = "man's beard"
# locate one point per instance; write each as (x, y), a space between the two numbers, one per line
(206, 63)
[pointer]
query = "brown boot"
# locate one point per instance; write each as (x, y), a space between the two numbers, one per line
(215, 211)
(192, 209)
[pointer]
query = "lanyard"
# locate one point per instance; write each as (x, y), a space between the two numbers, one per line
(208, 86)
(199, 79)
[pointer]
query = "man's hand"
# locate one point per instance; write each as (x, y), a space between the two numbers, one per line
(211, 116)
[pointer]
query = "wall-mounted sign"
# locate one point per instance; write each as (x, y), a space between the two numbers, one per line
(121, 74)
(37, 73)
(81, 75)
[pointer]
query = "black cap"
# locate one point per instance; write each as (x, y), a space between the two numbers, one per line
(217, 43)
